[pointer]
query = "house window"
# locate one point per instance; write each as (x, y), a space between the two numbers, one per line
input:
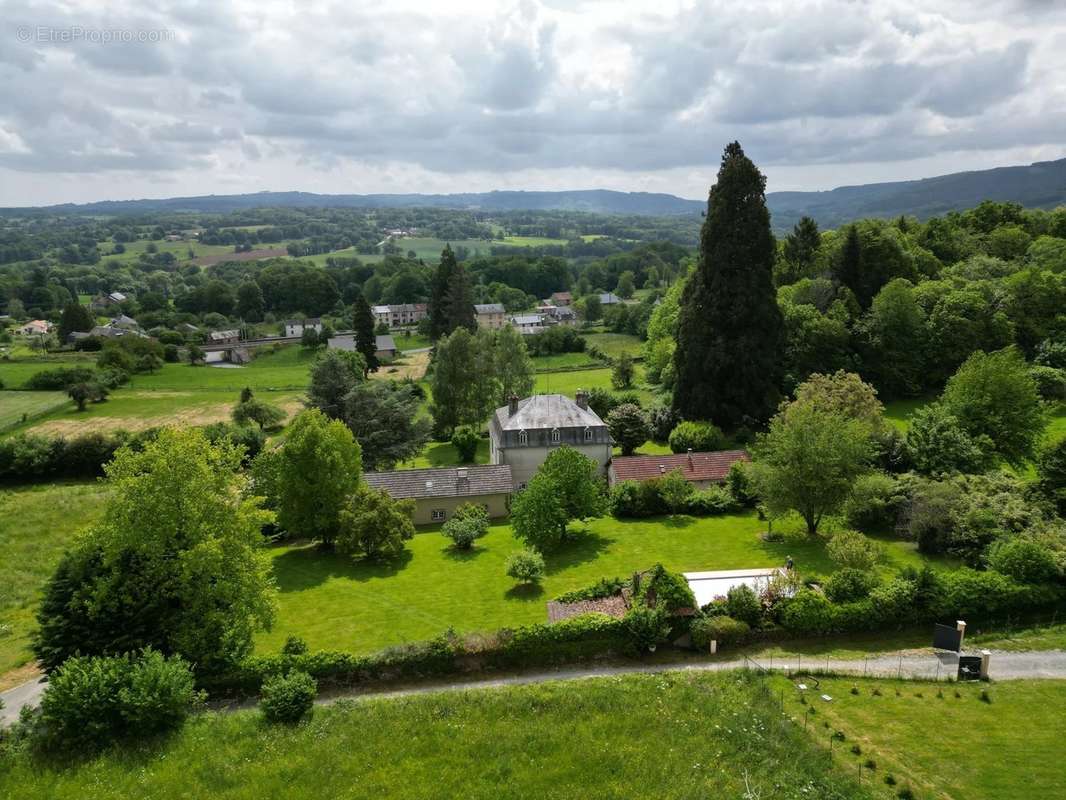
(556, 437)
(588, 434)
(437, 515)
(523, 438)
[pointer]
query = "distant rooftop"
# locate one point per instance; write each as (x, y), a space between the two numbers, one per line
(488, 308)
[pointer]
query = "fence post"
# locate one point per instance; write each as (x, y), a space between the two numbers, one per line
(865, 662)
(799, 661)
(899, 670)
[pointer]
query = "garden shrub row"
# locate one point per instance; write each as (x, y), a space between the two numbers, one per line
(658, 496)
(31, 458)
(584, 637)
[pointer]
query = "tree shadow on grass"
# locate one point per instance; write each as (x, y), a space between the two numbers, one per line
(585, 546)
(453, 553)
(307, 567)
(525, 591)
(678, 521)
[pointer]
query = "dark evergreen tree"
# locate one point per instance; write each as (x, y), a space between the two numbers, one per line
(250, 304)
(730, 328)
(76, 317)
(847, 267)
(365, 338)
(800, 248)
(459, 302)
(438, 294)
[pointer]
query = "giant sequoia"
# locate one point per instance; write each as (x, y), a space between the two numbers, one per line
(730, 328)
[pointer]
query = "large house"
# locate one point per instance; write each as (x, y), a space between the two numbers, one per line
(523, 433)
(37, 327)
(438, 492)
(401, 315)
(490, 315)
(296, 327)
(700, 469)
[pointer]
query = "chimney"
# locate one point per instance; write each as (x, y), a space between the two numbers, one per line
(512, 405)
(690, 458)
(462, 480)
(582, 399)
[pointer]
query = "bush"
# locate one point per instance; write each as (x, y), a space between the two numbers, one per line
(847, 585)
(604, 587)
(525, 566)
(1050, 382)
(60, 378)
(744, 605)
(1024, 559)
(170, 353)
(465, 440)
(808, 612)
(647, 627)
(91, 701)
(739, 483)
(696, 436)
(873, 503)
(294, 646)
(468, 524)
(663, 420)
(251, 439)
(720, 628)
(852, 549)
(712, 500)
(669, 589)
(287, 698)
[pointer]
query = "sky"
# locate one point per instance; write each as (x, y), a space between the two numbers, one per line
(121, 99)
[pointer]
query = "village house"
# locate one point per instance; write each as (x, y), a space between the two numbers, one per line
(561, 315)
(437, 493)
(384, 346)
(401, 315)
(224, 337)
(102, 302)
(491, 316)
(561, 298)
(123, 321)
(296, 327)
(523, 433)
(702, 470)
(37, 327)
(528, 323)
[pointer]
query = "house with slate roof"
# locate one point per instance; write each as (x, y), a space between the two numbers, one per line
(438, 492)
(523, 433)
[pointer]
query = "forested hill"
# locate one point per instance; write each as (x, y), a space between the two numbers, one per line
(599, 201)
(1039, 185)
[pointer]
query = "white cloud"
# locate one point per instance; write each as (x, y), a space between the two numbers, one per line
(407, 96)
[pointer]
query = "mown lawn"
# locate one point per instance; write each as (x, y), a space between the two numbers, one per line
(614, 344)
(334, 602)
(664, 736)
(564, 361)
(36, 524)
(16, 405)
(444, 454)
(943, 745)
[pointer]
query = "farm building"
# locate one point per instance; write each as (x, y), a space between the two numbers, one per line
(523, 433)
(385, 346)
(699, 469)
(561, 298)
(37, 327)
(401, 315)
(528, 323)
(224, 337)
(438, 492)
(102, 302)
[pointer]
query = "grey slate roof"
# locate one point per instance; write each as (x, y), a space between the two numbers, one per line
(384, 343)
(488, 308)
(217, 336)
(547, 411)
(415, 484)
(345, 341)
(527, 319)
(609, 299)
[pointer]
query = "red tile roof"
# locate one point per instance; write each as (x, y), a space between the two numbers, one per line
(694, 466)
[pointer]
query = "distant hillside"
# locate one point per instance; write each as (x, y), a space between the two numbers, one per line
(1040, 185)
(598, 201)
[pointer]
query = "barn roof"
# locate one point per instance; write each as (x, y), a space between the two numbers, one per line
(712, 466)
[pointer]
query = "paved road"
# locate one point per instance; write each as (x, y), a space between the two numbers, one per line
(1004, 666)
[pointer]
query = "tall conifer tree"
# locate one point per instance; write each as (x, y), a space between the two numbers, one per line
(365, 339)
(847, 268)
(438, 313)
(730, 329)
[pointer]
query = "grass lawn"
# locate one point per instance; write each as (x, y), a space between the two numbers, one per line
(411, 342)
(444, 454)
(531, 241)
(614, 344)
(898, 412)
(564, 361)
(36, 524)
(945, 746)
(598, 377)
(180, 250)
(15, 405)
(337, 603)
(665, 736)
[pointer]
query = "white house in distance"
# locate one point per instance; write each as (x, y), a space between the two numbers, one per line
(37, 327)
(491, 316)
(401, 315)
(523, 433)
(296, 327)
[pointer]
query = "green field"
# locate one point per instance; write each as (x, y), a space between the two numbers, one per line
(565, 361)
(180, 250)
(662, 736)
(336, 603)
(942, 745)
(14, 406)
(614, 344)
(36, 524)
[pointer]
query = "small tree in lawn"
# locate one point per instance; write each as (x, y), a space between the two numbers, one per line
(538, 516)
(195, 354)
(149, 363)
(577, 481)
(260, 412)
(465, 441)
(629, 427)
(525, 566)
(565, 488)
(852, 550)
(82, 393)
(468, 524)
(374, 525)
(622, 374)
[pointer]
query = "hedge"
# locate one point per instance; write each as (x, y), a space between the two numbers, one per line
(583, 637)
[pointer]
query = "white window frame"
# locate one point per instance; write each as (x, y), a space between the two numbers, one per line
(523, 438)
(557, 436)
(437, 514)
(588, 434)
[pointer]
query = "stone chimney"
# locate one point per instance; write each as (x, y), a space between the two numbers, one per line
(582, 399)
(690, 458)
(512, 405)
(462, 479)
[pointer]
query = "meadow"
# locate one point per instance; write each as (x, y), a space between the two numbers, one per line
(943, 741)
(17, 406)
(662, 736)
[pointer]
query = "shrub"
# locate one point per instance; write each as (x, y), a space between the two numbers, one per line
(287, 698)
(294, 646)
(91, 701)
(873, 503)
(852, 549)
(669, 589)
(743, 604)
(468, 524)
(721, 628)
(525, 566)
(1024, 559)
(465, 440)
(696, 436)
(662, 421)
(712, 500)
(739, 483)
(848, 584)
(628, 426)
(647, 627)
(251, 439)
(60, 378)
(170, 353)
(675, 491)
(808, 612)
(1050, 382)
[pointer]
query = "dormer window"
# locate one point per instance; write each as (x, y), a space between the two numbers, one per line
(588, 434)
(556, 436)
(523, 438)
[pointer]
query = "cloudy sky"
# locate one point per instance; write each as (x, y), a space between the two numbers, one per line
(398, 96)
